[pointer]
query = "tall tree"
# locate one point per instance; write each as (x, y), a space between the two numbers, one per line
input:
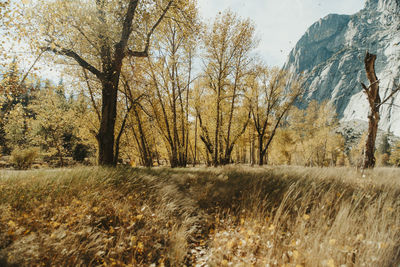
(98, 35)
(15, 95)
(375, 102)
(171, 77)
(228, 45)
(271, 99)
(136, 120)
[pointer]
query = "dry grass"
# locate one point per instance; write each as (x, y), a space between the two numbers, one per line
(236, 216)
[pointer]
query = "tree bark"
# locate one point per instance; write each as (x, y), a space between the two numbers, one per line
(260, 150)
(195, 143)
(374, 100)
(216, 141)
(105, 136)
(147, 155)
(252, 149)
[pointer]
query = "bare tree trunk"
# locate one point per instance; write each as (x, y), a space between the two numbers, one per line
(374, 100)
(121, 131)
(261, 152)
(216, 142)
(105, 136)
(370, 160)
(195, 143)
(252, 148)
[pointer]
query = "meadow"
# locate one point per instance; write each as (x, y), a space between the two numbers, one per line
(228, 216)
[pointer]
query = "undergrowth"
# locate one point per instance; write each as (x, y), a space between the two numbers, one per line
(233, 216)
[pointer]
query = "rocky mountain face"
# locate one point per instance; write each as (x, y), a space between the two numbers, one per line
(330, 57)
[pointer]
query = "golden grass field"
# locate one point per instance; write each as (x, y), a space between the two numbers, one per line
(231, 216)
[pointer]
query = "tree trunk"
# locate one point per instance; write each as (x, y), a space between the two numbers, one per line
(174, 159)
(147, 157)
(105, 136)
(215, 159)
(260, 150)
(121, 131)
(370, 160)
(252, 148)
(195, 143)
(374, 100)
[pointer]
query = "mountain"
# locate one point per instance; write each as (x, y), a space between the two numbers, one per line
(330, 57)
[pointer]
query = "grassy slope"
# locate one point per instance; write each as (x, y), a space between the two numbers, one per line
(239, 215)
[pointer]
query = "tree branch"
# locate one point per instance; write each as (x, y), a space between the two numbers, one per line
(364, 87)
(86, 37)
(388, 97)
(145, 51)
(30, 68)
(126, 29)
(83, 63)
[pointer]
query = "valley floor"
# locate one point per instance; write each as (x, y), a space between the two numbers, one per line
(232, 216)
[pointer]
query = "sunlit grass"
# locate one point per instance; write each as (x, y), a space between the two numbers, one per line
(218, 216)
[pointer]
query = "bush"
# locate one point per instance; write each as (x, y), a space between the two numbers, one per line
(23, 159)
(80, 152)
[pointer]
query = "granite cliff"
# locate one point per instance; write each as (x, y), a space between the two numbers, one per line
(330, 58)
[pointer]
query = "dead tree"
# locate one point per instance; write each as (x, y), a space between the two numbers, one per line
(375, 103)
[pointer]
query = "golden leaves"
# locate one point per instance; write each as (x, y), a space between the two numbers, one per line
(55, 224)
(12, 224)
(332, 242)
(140, 247)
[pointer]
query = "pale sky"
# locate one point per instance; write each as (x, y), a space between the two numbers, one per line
(279, 23)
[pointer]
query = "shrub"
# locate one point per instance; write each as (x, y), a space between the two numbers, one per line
(80, 152)
(23, 159)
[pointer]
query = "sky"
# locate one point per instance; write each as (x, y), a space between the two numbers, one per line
(279, 23)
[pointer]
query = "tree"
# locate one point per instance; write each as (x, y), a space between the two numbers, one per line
(375, 103)
(171, 78)
(52, 122)
(85, 121)
(143, 134)
(98, 35)
(15, 126)
(6, 19)
(228, 45)
(135, 119)
(316, 142)
(15, 95)
(271, 99)
(283, 147)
